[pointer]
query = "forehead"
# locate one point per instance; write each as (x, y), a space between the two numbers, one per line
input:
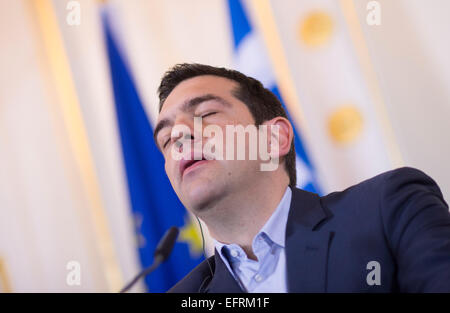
(198, 86)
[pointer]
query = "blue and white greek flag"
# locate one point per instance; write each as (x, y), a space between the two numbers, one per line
(250, 58)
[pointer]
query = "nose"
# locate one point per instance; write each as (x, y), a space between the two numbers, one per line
(183, 140)
(185, 134)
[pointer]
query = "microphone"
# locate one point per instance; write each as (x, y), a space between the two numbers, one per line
(162, 253)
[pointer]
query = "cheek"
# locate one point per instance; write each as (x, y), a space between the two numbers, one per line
(168, 167)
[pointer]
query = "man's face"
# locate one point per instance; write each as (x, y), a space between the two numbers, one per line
(203, 183)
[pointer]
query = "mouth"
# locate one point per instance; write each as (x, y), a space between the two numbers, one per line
(188, 165)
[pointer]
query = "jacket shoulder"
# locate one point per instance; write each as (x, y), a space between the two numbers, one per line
(389, 181)
(196, 279)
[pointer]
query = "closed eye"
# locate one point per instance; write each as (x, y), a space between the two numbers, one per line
(208, 114)
(203, 116)
(165, 144)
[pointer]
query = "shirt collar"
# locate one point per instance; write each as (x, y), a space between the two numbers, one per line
(274, 228)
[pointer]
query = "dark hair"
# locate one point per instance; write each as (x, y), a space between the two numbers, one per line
(261, 102)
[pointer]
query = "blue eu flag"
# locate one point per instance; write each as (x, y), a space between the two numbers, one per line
(154, 203)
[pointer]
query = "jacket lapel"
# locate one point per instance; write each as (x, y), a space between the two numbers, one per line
(222, 281)
(306, 247)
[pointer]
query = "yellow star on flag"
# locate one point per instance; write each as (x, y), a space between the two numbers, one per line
(191, 235)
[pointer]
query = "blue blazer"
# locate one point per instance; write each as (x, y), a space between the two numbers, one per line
(398, 219)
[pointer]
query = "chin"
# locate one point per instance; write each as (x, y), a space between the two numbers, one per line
(199, 197)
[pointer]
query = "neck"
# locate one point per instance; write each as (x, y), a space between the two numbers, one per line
(238, 218)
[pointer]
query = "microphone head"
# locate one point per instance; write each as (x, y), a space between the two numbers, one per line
(166, 243)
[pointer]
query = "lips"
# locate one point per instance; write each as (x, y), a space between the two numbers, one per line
(185, 164)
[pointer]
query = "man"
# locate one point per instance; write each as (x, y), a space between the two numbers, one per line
(386, 234)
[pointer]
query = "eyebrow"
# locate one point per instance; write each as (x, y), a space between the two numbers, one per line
(188, 105)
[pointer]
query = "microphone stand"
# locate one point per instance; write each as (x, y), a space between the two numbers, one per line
(162, 253)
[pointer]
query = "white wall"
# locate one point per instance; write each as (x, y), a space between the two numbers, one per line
(44, 217)
(410, 52)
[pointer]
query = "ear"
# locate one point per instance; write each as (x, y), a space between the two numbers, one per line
(281, 131)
